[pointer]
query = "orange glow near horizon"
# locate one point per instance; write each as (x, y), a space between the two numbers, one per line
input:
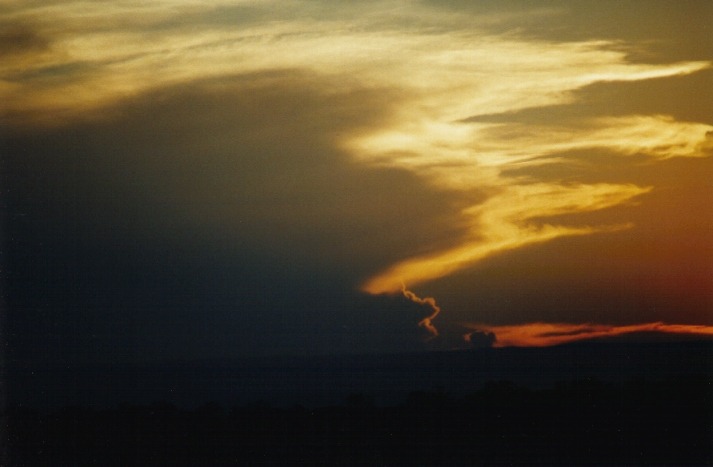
(549, 334)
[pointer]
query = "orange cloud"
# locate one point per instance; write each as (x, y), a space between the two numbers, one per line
(427, 322)
(506, 222)
(548, 334)
(91, 55)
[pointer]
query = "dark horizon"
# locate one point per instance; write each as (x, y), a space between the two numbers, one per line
(318, 381)
(593, 402)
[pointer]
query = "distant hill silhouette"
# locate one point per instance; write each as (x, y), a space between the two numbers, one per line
(584, 421)
(593, 402)
(320, 381)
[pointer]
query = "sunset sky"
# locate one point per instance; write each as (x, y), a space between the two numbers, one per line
(192, 179)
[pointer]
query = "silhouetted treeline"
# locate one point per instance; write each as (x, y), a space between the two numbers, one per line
(576, 422)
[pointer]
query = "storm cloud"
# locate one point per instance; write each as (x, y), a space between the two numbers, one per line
(192, 179)
(225, 203)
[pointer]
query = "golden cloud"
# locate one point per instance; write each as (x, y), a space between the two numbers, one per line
(101, 53)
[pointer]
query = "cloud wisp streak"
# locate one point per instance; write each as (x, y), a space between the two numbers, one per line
(502, 223)
(427, 322)
(549, 334)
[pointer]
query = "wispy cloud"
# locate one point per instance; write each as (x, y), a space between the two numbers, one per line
(451, 72)
(505, 222)
(427, 322)
(442, 74)
(548, 334)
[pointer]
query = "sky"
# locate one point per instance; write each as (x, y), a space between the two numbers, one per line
(200, 179)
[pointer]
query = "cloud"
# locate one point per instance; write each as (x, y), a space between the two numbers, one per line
(442, 78)
(384, 143)
(479, 339)
(184, 243)
(19, 39)
(430, 302)
(451, 72)
(504, 222)
(547, 334)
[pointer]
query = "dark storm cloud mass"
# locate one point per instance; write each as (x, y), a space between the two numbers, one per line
(480, 339)
(18, 39)
(214, 218)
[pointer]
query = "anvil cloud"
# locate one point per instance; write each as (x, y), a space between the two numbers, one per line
(296, 133)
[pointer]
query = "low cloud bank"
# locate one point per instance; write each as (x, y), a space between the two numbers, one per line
(548, 334)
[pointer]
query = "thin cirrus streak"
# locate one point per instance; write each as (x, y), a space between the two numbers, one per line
(549, 334)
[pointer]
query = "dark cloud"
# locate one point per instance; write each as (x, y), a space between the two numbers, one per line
(17, 39)
(224, 217)
(217, 218)
(480, 339)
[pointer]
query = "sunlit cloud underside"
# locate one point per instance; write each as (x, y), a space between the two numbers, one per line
(549, 334)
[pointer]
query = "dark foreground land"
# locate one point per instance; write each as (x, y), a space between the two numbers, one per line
(653, 417)
(579, 422)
